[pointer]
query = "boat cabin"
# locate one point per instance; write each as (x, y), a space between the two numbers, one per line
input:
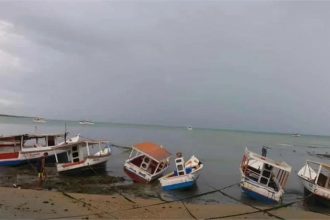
(80, 150)
(150, 157)
(23, 142)
(317, 173)
(265, 171)
(81, 153)
(146, 162)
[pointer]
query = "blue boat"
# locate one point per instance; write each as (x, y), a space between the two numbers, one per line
(184, 176)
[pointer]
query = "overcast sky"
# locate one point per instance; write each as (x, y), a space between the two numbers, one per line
(252, 65)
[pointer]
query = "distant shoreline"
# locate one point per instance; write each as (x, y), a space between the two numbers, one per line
(15, 116)
(172, 126)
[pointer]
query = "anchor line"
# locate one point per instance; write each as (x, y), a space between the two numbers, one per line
(267, 210)
(177, 200)
(125, 197)
(86, 204)
(237, 200)
(192, 215)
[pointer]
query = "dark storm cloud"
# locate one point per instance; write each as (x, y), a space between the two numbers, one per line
(243, 65)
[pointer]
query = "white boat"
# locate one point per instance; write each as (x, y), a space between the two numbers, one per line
(23, 148)
(189, 128)
(39, 120)
(82, 154)
(315, 177)
(146, 162)
(296, 135)
(184, 176)
(85, 122)
(262, 178)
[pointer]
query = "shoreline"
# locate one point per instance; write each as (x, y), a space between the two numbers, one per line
(44, 204)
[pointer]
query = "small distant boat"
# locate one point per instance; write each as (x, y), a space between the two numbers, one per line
(82, 154)
(23, 148)
(39, 120)
(262, 178)
(296, 135)
(147, 162)
(189, 128)
(85, 122)
(315, 177)
(184, 176)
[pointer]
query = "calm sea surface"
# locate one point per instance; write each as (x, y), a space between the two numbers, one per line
(220, 150)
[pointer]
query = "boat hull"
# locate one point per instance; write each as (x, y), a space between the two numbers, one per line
(258, 197)
(87, 165)
(21, 158)
(139, 178)
(320, 195)
(179, 186)
(260, 193)
(172, 182)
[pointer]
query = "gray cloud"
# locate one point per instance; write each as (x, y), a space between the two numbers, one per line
(240, 65)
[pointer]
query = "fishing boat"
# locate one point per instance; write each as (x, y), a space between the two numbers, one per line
(39, 120)
(262, 178)
(146, 162)
(184, 176)
(82, 155)
(85, 122)
(315, 177)
(23, 148)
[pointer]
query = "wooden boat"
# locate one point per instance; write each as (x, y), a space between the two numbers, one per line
(147, 162)
(82, 154)
(39, 120)
(315, 177)
(262, 178)
(184, 176)
(23, 148)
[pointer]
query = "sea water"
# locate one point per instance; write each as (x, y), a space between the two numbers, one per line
(220, 150)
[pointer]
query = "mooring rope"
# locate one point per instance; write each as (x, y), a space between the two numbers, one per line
(244, 203)
(190, 213)
(86, 204)
(176, 200)
(262, 210)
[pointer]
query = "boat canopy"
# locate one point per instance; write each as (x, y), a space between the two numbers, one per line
(155, 151)
(323, 165)
(280, 165)
(79, 142)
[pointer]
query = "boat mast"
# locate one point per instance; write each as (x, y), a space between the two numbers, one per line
(87, 148)
(65, 132)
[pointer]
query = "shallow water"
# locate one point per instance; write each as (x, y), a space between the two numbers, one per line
(220, 150)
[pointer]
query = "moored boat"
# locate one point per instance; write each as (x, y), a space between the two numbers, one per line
(82, 154)
(23, 148)
(184, 176)
(85, 122)
(262, 178)
(146, 162)
(39, 120)
(315, 177)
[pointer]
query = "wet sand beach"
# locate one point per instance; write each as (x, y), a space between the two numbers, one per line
(44, 204)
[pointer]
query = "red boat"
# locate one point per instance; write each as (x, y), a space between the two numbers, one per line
(147, 162)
